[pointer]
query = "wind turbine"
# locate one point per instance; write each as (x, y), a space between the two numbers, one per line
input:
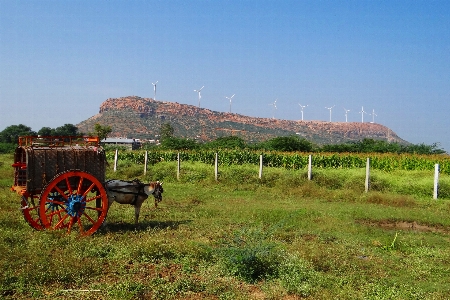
(373, 115)
(346, 112)
(199, 95)
(302, 107)
(330, 108)
(154, 89)
(274, 106)
(229, 98)
(362, 112)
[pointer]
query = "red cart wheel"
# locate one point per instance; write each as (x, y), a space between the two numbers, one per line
(30, 211)
(74, 200)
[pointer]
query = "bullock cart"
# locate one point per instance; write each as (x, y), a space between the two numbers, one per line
(61, 183)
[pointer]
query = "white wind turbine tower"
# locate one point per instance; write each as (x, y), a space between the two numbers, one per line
(274, 107)
(229, 98)
(346, 112)
(154, 89)
(362, 112)
(199, 95)
(302, 107)
(373, 115)
(330, 108)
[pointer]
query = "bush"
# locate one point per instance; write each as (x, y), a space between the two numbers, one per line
(7, 147)
(249, 258)
(174, 143)
(290, 144)
(297, 276)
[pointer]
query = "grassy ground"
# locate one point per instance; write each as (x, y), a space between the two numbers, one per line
(281, 237)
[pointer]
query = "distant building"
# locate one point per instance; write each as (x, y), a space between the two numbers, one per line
(132, 144)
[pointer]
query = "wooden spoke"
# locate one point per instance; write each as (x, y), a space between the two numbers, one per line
(73, 207)
(69, 188)
(80, 184)
(61, 222)
(30, 211)
(89, 189)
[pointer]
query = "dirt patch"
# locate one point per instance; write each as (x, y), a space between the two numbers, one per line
(405, 225)
(309, 237)
(395, 201)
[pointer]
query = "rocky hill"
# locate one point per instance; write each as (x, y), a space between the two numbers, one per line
(136, 117)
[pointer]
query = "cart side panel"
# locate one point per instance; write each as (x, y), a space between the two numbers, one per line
(45, 163)
(20, 167)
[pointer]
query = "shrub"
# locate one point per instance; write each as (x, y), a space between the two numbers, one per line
(297, 276)
(7, 147)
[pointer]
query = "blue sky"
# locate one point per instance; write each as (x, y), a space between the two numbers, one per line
(59, 60)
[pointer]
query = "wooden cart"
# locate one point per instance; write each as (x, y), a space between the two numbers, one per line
(60, 181)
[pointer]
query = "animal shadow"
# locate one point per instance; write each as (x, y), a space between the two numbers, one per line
(142, 226)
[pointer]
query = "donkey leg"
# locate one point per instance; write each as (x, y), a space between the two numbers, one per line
(137, 209)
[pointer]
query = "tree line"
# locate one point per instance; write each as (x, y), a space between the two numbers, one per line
(9, 137)
(293, 143)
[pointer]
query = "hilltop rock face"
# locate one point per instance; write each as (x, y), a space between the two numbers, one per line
(136, 117)
(136, 104)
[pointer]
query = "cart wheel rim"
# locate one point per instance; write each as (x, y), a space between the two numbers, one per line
(30, 212)
(73, 201)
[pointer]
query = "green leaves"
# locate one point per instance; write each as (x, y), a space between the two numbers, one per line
(294, 160)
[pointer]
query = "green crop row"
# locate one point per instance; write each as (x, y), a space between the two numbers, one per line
(288, 160)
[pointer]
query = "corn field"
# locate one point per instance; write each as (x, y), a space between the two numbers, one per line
(294, 161)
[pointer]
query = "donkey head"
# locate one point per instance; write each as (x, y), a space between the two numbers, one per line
(156, 189)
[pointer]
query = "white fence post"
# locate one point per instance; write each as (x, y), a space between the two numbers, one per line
(260, 166)
(216, 167)
(145, 162)
(436, 181)
(310, 167)
(367, 183)
(178, 166)
(115, 160)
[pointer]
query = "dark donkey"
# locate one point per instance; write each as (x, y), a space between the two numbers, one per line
(133, 192)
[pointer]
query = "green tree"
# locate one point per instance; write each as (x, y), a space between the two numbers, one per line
(102, 131)
(227, 142)
(289, 143)
(166, 131)
(174, 143)
(424, 149)
(7, 148)
(379, 146)
(66, 130)
(11, 133)
(46, 131)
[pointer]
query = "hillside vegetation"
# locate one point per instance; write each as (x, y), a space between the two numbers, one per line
(279, 237)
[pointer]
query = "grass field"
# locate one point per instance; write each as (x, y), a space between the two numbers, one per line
(279, 237)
